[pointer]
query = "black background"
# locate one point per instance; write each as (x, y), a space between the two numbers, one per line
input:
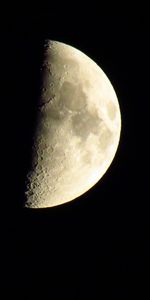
(97, 245)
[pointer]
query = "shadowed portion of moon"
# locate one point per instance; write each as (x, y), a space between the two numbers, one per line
(77, 129)
(23, 59)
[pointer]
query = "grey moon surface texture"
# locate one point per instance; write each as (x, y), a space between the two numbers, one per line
(77, 131)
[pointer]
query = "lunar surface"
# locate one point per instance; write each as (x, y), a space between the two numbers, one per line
(77, 131)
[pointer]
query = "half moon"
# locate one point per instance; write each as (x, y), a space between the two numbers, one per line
(77, 131)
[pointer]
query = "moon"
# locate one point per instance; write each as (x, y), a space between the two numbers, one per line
(77, 131)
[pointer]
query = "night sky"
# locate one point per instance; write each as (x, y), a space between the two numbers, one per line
(98, 245)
